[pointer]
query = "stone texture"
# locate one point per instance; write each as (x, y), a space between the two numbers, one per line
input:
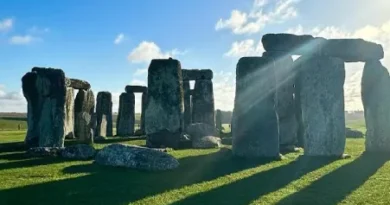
(126, 115)
(43, 152)
(164, 110)
(144, 101)
(207, 142)
(203, 102)
(197, 74)
(69, 114)
(46, 94)
(376, 101)
(298, 112)
(199, 130)
(104, 114)
(135, 157)
(136, 89)
(84, 109)
(187, 103)
(349, 50)
(79, 84)
(322, 103)
(80, 152)
(255, 122)
(218, 120)
(285, 107)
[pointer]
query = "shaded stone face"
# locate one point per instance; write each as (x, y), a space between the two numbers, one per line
(376, 100)
(144, 102)
(84, 109)
(69, 114)
(321, 82)
(187, 103)
(203, 102)
(126, 115)
(136, 89)
(255, 122)
(104, 114)
(197, 74)
(218, 120)
(349, 50)
(78, 84)
(45, 91)
(285, 107)
(164, 110)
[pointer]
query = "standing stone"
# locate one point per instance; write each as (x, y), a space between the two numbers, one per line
(321, 82)
(69, 114)
(84, 108)
(285, 79)
(164, 110)
(298, 113)
(376, 101)
(203, 102)
(255, 122)
(187, 103)
(104, 111)
(144, 101)
(126, 115)
(46, 93)
(218, 120)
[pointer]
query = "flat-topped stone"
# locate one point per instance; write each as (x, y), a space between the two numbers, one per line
(197, 74)
(78, 84)
(349, 50)
(136, 89)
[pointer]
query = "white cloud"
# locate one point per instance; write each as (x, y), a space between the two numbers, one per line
(256, 19)
(119, 39)
(379, 34)
(245, 48)
(12, 101)
(146, 51)
(6, 24)
(38, 30)
(141, 71)
(22, 40)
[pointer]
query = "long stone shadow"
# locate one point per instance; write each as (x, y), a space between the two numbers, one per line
(12, 147)
(108, 185)
(337, 185)
(249, 189)
(29, 162)
(110, 140)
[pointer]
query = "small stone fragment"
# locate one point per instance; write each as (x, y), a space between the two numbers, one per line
(80, 152)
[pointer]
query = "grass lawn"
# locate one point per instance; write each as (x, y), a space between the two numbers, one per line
(203, 177)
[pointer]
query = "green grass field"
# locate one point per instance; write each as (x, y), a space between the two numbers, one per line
(203, 177)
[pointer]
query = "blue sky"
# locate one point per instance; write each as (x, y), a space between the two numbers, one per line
(110, 43)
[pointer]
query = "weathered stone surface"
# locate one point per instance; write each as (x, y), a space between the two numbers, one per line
(199, 130)
(187, 103)
(144, 101)
(46, 94)
(322, 102)
(353, 133)
(136, 89)
(298, 113)
(376, 101)
(164, 110)
(285, 107)
(207, 142)
(255, 122)
(349, 50)
(126, 115)
(80, 152)
(203, 102)
(69, 114)
(104, 114)
(43, 152)
(163, 138)
(135, 157)
(218, 120)
(79, 84)
(197, 74)
(84, 109)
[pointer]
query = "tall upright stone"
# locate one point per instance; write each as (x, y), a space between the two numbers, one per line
(46, 93)
(255, 122)
(321, 81)
(69, 114)
(126, 115)
(298, 113)
(187, 103)
(285, 107)
(104, 114)
(144, 101)
(376, 102)
(164, 110)
(218, 120)
(203, 102)
(84, 109)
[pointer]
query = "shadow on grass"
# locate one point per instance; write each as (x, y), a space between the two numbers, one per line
(14, 118)
(29, 162)
(337, 185)
(110, 140)
(249, 189)
(108, 185)
(12, 147)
